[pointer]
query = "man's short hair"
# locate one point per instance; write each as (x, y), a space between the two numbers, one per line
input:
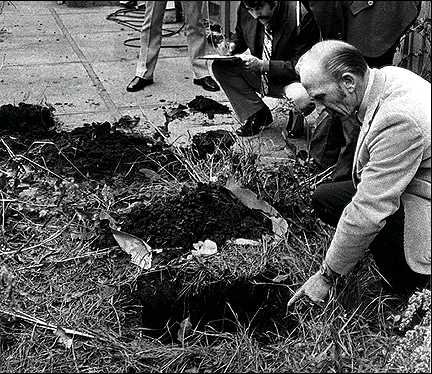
(341, 58)
(255, 4)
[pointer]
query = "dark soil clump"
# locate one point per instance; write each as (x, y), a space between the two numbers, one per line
(208, 211)
(207, 143)
(208, 106)
(29, 119)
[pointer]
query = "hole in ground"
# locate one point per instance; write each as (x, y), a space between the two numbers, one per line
(223, 306)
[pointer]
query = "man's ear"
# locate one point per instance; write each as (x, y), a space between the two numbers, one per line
(349, 81)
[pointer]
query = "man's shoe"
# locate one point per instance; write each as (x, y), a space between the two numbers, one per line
(138, 83)
(255, 123)
(208, 83)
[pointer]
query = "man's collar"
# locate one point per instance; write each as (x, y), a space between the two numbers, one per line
(361, 112)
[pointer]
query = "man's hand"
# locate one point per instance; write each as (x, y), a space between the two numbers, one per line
(226, 49)
(316, 288)
(253, 63)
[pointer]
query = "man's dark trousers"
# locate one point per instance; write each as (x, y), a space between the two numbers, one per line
(330, 199)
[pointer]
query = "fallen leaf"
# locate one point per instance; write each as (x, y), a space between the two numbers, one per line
(184, 330)
(63, 338)
(279, 226)
(250, 199)
(280, 278)
(140, 251)
(206, 248)
(150, 174)
(251, 242)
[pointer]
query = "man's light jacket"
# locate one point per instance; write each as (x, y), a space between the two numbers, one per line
(392, 165)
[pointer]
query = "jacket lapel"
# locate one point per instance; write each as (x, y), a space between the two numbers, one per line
(372, 104)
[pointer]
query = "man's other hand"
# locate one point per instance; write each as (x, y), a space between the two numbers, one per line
(253, 63)
(226, 49)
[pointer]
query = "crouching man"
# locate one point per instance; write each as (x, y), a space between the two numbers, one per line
(277, 33)
(387, 206)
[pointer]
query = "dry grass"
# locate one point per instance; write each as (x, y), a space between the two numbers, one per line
(57, 282)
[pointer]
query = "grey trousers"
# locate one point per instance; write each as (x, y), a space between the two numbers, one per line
(241, 87)
(151, 38)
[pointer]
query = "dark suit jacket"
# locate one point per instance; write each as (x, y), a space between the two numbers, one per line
(289, 42)
(372, 26)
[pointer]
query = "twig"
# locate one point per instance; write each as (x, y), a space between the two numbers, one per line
(41, 167)
(28, 318)
(69, 259)
(326, 173)
(2, 64)
(61, 153)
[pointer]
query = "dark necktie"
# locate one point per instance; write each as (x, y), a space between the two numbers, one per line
(266, 55)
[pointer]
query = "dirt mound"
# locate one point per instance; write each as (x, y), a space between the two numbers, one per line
(207, 211)
(96, 151)
(100, 151)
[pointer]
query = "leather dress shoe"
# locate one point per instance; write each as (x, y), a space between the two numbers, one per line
(138, 83)
(255, 123)
(208, 83)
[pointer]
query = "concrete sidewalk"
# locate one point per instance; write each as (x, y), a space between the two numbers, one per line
(75, 60)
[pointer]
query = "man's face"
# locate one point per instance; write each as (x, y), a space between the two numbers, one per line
(328, 94)
(263, 13)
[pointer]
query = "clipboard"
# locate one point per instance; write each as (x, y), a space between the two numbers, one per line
(219, 57)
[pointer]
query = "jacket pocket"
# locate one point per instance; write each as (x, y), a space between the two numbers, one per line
(357, 6)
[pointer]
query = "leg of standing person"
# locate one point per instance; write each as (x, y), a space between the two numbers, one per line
(197, 44)
(151, 40)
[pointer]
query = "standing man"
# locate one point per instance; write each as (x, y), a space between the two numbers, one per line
(373, 27)
(151, 40)
(276, 33)
(386, 208)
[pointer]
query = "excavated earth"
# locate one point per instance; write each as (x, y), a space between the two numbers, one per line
(172, 222)
(95, 151)
(207, 211)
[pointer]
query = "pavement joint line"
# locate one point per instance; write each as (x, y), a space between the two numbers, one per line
(87, 66)
(93, 62)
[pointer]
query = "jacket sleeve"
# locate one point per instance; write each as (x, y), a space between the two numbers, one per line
(238, 38)
(395, 154)
(283, 70)
(299, 44)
